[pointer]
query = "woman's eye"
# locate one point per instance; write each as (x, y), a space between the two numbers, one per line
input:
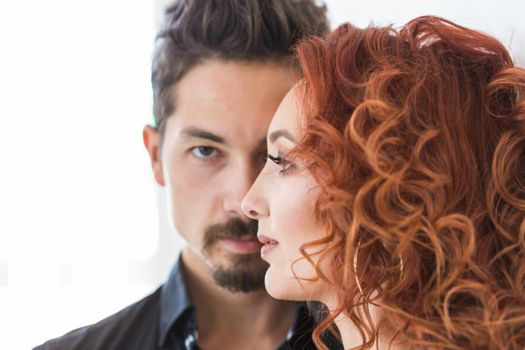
(204, 151)
(283, 163)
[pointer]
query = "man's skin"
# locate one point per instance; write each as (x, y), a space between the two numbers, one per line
(210, 154)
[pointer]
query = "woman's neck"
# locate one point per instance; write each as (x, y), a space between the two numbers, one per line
(351, 336)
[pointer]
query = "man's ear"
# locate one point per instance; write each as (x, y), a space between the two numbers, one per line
(151, 139)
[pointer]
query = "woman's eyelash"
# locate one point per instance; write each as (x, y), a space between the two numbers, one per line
(283, 163)
(277, 160)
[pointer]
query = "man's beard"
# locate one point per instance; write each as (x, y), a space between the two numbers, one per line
(246, 272)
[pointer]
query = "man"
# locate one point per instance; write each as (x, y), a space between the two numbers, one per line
(220, 69)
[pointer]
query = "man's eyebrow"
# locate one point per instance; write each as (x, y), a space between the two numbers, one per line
(281, 133)
(203, 134)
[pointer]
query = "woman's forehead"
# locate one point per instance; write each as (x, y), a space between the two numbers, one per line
(289, 114)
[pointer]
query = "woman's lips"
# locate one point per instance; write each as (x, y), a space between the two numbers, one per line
(268, 245)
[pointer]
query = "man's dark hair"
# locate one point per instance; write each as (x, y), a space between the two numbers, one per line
(239, 30)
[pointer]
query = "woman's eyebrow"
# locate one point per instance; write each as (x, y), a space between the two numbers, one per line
(280, 133)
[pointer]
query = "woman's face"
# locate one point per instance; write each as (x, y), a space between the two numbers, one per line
(282, 199)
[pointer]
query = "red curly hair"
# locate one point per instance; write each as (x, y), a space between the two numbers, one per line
(416, 137)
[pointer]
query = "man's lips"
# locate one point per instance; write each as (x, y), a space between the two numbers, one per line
(268, 244)
(246, 244)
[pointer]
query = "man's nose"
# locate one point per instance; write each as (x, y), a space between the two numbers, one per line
(240, 180)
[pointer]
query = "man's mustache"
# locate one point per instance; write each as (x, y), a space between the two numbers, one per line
(232, 229)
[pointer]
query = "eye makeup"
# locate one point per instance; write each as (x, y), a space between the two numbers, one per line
(283, 163)
(277, 160)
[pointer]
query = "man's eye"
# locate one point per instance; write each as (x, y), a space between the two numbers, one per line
(204, 151)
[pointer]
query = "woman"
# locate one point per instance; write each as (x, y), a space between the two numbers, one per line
(394, 190)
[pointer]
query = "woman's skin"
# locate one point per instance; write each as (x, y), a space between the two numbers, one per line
(282, 200)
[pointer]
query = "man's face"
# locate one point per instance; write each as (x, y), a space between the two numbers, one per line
(213, 149)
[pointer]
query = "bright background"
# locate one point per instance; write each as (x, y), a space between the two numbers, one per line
(83, 228)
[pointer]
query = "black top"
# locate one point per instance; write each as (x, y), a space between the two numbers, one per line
(163, 320)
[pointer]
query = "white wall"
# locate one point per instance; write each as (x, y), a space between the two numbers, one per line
(78, 216)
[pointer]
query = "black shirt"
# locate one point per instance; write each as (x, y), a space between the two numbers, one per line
(165, 319)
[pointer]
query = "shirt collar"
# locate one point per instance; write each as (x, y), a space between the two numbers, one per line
(174, 301)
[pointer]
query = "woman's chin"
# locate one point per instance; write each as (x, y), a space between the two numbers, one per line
(285, 288)
(277, 288)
